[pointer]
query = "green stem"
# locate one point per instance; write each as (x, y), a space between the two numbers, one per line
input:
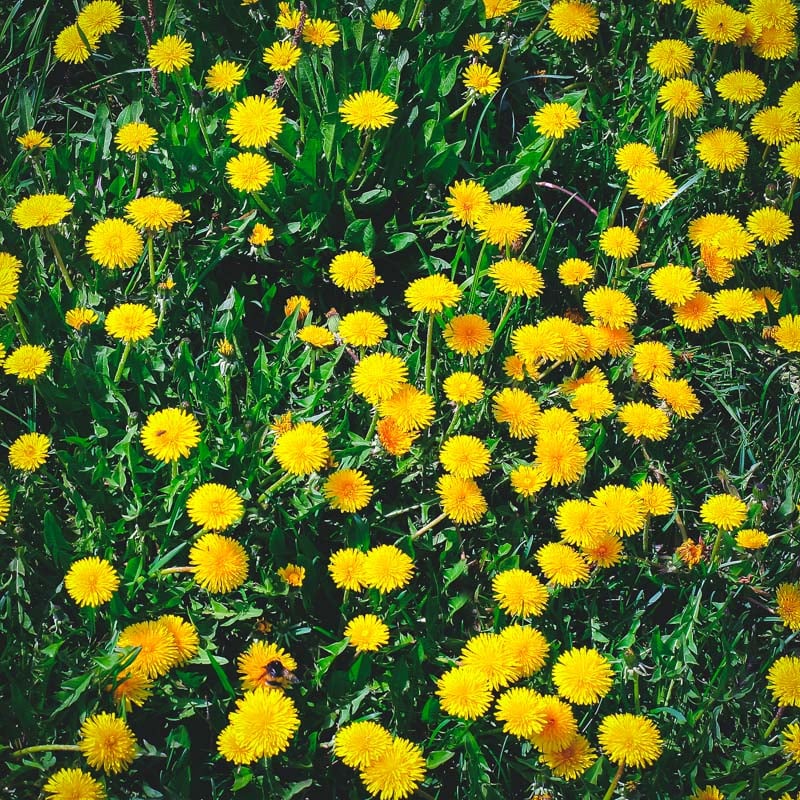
(461, 109)
(151, 259)
(37, 168)
(299, 98)
(715, 548)
(457, 256)
(618, 206)
(259, 201)
(60, 261)
(428, 355)
(416, 14)
(125, 353)
(372, 425)
(639, 220)
(476, 276)
(174, 469)
(549, 151)
(503, 316)
(775, 720)
(137, 173)
(46, 748)
(711, 59)
(503, 57)
(23, 332)
(614, 782)
(779, 770)
(360, 159)
(431, 220)
(201, 122)
(536, 30)
(636, 703)
(452, 424)
(790, 198)
(764, 154)
(226, 378)
(312, 356)
(285, 478)
(432, 524)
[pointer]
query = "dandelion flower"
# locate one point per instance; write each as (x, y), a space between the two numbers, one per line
(232, 747)
(170, 53)
(783, 680)
(411, 408)
(773, 13)
(386, 20)
(572, 761)
(463, 388)
(555, 119)
(184, 634)
(432, 294)
(468, 335)
(619, 509)
(721, 24)
(518, 409)
(28, 452)
(114, 243)
(478, 43)
(107, 743)
(393, 438)
(519, 709)
(560, 456)
(678, 395)
(302, 450)
(135, 137)
(155, 213)
(360, 743)
(248, 172)
(527, 480)
(775, 125)
(770, 225)
(630, 740)
(214, 507)
(490, 654)
(575, 271)
(643, 421)
(573, 20)
(787, 598)
(386, 568)
(281, 56)
(158, 652)
(670, 58)
(652, 185)
(520, 593)
(255, 121)
(397, 772)
(680, 97)
(346, 568)
(751, 539)
(220, 563)
(27, 362)
(347, 490)
(73, 784)
(652, 360)
(619, 242)
(481, 78)
(722, 149)
(131, 689)
(251, 664)
(610, 307)
(353, 272)
(71, 47)
(562, 565)
(467, 200)
(696, 314)
(367, 633)
(378, 376)
(292, 575)
(724, 511)
(635, 156)
(130, 322)
(362, 329)
(559, 727)
(320, 32)
(503, 224)
(582, 676)
(224, 76)
(461, 498)
(34, 140)
(741, 86)
(579, 522)
(737, 305)
(370, 110)
(91, 581)
(464, 692)
(791, 742)
(592, 401)
(261, 235)
(266, 720)
(41, 210)
(517, 278)
(787, 333)
(170, 434)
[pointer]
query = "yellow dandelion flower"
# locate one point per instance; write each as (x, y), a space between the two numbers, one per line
(107, 743)
(386, 568)
(170, 434)
(248, 172)
(41, 210)
(573, 20)
(467, 200)
(347, 569)
(370, 110)
(463, 388)
(281, 56)
(70, 46)
(503, 224)
(170, 53)
(519, 592)
(724, 511)
(670, 58)
(255, 121)
(481, 78)
(73, 784)
(461, 499)
(630, 740)
(347, 490)
(29, 451)
(360, 743)
(561, 565)
(432, 294)
(224, 76)
(583, 676)
(397, 772)
(320, 33)
(27, 362)
(91, 581)
(303, 449)
(367, 633)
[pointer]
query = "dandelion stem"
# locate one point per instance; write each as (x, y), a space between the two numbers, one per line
(46, 748)
(639, 219)
(457, 256)
(372, 425)
(174, 470)
(617, 206)
(125, 353)
(503, 316)
(23, 332)
(431, 220)
(461, 109)
(60, 261)
(151, 259)
(201, 122)
(452, 424)
(416, 14)
(360, 159)
(636, 702)
(312, 356)
(775, 720)
(764, 154)
(790, 198)
(137, 173)
(779, 770)
(37, 168)
(287, 476)
(711, 59)
(549, 152)
(614, 782)
(476, 276)
(536, 30)
(176, 570)
(428, 355)
(503, 58)
(715, 548)
(432, 524)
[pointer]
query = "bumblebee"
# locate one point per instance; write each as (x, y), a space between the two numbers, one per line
(276, 675)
